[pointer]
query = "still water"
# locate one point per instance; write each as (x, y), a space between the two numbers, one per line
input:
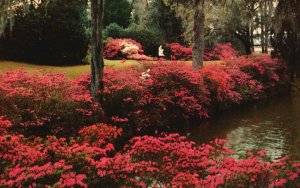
(273, 126)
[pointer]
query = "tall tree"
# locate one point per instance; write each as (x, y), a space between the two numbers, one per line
(163, 20)
(97, 61)
(117, 11)
(7, 12)
(139, 7)
(287, 27)
(198, 30)
(198, 27)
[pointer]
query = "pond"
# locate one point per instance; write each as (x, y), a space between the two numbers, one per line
(273, 126)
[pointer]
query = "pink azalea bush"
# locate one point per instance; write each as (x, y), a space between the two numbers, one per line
(220, 51)
(52, 161)
(53, 135)
(90, 159)
(161, 94)
(158, 95)
(49, 101)
(229, 85)
(173, 161)
(179, 52)
(124, 48)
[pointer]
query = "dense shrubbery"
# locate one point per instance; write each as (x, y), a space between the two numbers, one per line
(160, 96)
(47, 102)
(157, 96)
(164, 93)
(53, 33)
(224, 52)
(114, 31)
(121, 48)
(90, 159)
(176, 51)
(117, 11)
(147, 38)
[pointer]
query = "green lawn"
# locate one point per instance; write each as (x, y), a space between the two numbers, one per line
(70, 71)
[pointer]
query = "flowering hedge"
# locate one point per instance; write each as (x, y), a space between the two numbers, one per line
(47, 102)
(158, 96)
(223, 52)
(90, 159)
(161, 96)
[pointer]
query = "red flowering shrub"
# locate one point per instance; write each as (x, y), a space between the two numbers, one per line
(221, 84)
(98, 134)
(175, 162)
(158, 95)
(222, 52)
(140, 57)
(162, 93)
(179, 52)
(170, 160)
(229, 85)
(4, 125)
(175, 92)
(48, 102)
(270, 72)
(52, 161)
(123, 91)
(121, 48)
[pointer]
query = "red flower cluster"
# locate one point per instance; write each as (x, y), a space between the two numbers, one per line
(4, 124)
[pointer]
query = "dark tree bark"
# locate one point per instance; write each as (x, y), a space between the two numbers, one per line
(244, 36)
(97, 62)
(198, 43)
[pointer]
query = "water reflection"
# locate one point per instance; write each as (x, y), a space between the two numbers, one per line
(273, 126)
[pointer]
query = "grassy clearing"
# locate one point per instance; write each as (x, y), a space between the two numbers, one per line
(70, 71)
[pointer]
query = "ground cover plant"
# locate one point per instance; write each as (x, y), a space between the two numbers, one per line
(53, 134)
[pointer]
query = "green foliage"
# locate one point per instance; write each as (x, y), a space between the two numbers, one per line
(286, 40)
(55, 33)
(163, 19)
(117, 11)
(149, 39)
(113, 30)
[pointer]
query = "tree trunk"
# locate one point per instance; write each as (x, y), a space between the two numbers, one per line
(97, 62)
(252, 35)
(198, 43)
(245, 37)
